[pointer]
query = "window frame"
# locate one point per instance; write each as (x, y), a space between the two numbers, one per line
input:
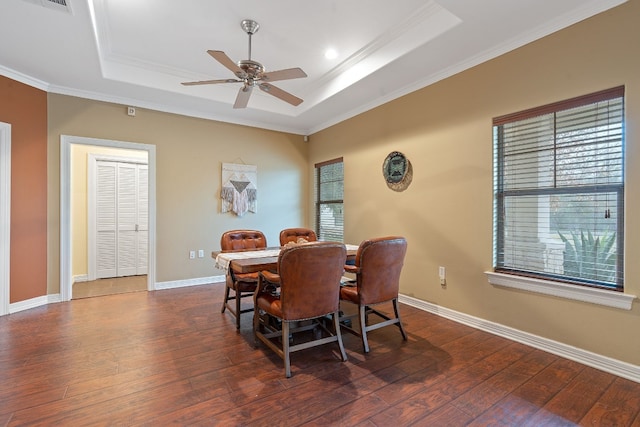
(318, 194)
(543, 283)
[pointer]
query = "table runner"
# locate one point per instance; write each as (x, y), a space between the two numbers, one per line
(224, 258)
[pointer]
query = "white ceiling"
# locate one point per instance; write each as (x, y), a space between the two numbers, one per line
(137, 52)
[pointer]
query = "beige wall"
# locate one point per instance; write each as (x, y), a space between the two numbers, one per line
(79, 198)
(446, 214)
(189, 155)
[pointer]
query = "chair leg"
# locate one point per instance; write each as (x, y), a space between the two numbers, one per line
(363, 327)
(256, 325)
(226, 298)
(238, 301)
(397, 312)
(285, 349)
(336, 325)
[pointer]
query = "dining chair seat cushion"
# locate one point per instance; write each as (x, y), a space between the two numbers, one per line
(349, 293)
(242, 286)
(246, 277)
(270, 303)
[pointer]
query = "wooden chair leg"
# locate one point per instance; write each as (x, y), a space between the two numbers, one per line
(363, 327)
(397, 312)
(238, 301)
(256, 325)
(226, 298)
(285, 349)
(336, 325)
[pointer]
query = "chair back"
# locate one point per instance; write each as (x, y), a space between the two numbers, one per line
(310, 279)
(234, 240)
(380, 262)
(292, 234)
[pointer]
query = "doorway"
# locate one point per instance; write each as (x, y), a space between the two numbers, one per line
(118, 225)
(68, 218)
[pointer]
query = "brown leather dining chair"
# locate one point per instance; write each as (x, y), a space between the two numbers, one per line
(306, 291)
(377, 268)
(242, 284)
(293, 234)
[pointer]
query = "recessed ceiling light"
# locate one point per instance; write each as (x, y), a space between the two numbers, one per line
(331, 54)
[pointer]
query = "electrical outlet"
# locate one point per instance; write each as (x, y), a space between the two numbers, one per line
(192, 254)
(200, 253)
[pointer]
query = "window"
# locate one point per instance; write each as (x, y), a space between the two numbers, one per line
(559, 191)
(329, 184)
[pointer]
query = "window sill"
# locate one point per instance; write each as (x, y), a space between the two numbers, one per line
(562, 290)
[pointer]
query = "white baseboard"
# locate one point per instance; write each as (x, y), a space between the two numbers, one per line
(55, 298)
(80, 278)
(188, 282)
(603, 363)
(33, 303)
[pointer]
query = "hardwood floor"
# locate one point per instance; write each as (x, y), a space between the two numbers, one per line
(171, 358)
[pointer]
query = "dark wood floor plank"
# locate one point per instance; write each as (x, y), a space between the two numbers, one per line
(573, 401)
(441, 363)
(353, 413)
(171, 358)
(480, 398)
(440, 393)
(618, 406)
(521, 404)
(446, 415)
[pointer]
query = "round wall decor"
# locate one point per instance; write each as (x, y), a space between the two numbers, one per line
(397, 171)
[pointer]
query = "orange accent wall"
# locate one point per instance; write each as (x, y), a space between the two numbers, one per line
(25, 109)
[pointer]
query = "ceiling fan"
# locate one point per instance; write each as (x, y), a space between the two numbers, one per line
(252, 73)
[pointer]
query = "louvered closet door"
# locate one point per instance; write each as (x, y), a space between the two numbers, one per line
(143, 220)
(122, 219)
(127, 202)
(106, 219)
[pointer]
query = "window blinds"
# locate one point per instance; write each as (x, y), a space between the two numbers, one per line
(329, 200)
(559, 190)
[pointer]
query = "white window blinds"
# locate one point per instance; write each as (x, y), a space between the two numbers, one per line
(559, 191)
(329, 180)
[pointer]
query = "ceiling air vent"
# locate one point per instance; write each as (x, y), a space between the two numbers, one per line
(61, 5)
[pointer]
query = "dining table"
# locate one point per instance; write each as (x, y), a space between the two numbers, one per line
(253, 260)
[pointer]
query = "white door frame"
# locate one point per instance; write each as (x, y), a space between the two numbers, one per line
(91, 197)
(66, 279)
(5, 216)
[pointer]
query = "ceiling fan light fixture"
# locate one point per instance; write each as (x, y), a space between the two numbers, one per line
(252, 73)
(250, 26)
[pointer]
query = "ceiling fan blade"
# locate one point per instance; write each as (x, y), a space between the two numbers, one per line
(222, 58)
(243, 97)
(289, 73)
(279, 93)
(210, 82)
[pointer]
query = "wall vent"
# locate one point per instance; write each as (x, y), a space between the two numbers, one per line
(62, 5)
